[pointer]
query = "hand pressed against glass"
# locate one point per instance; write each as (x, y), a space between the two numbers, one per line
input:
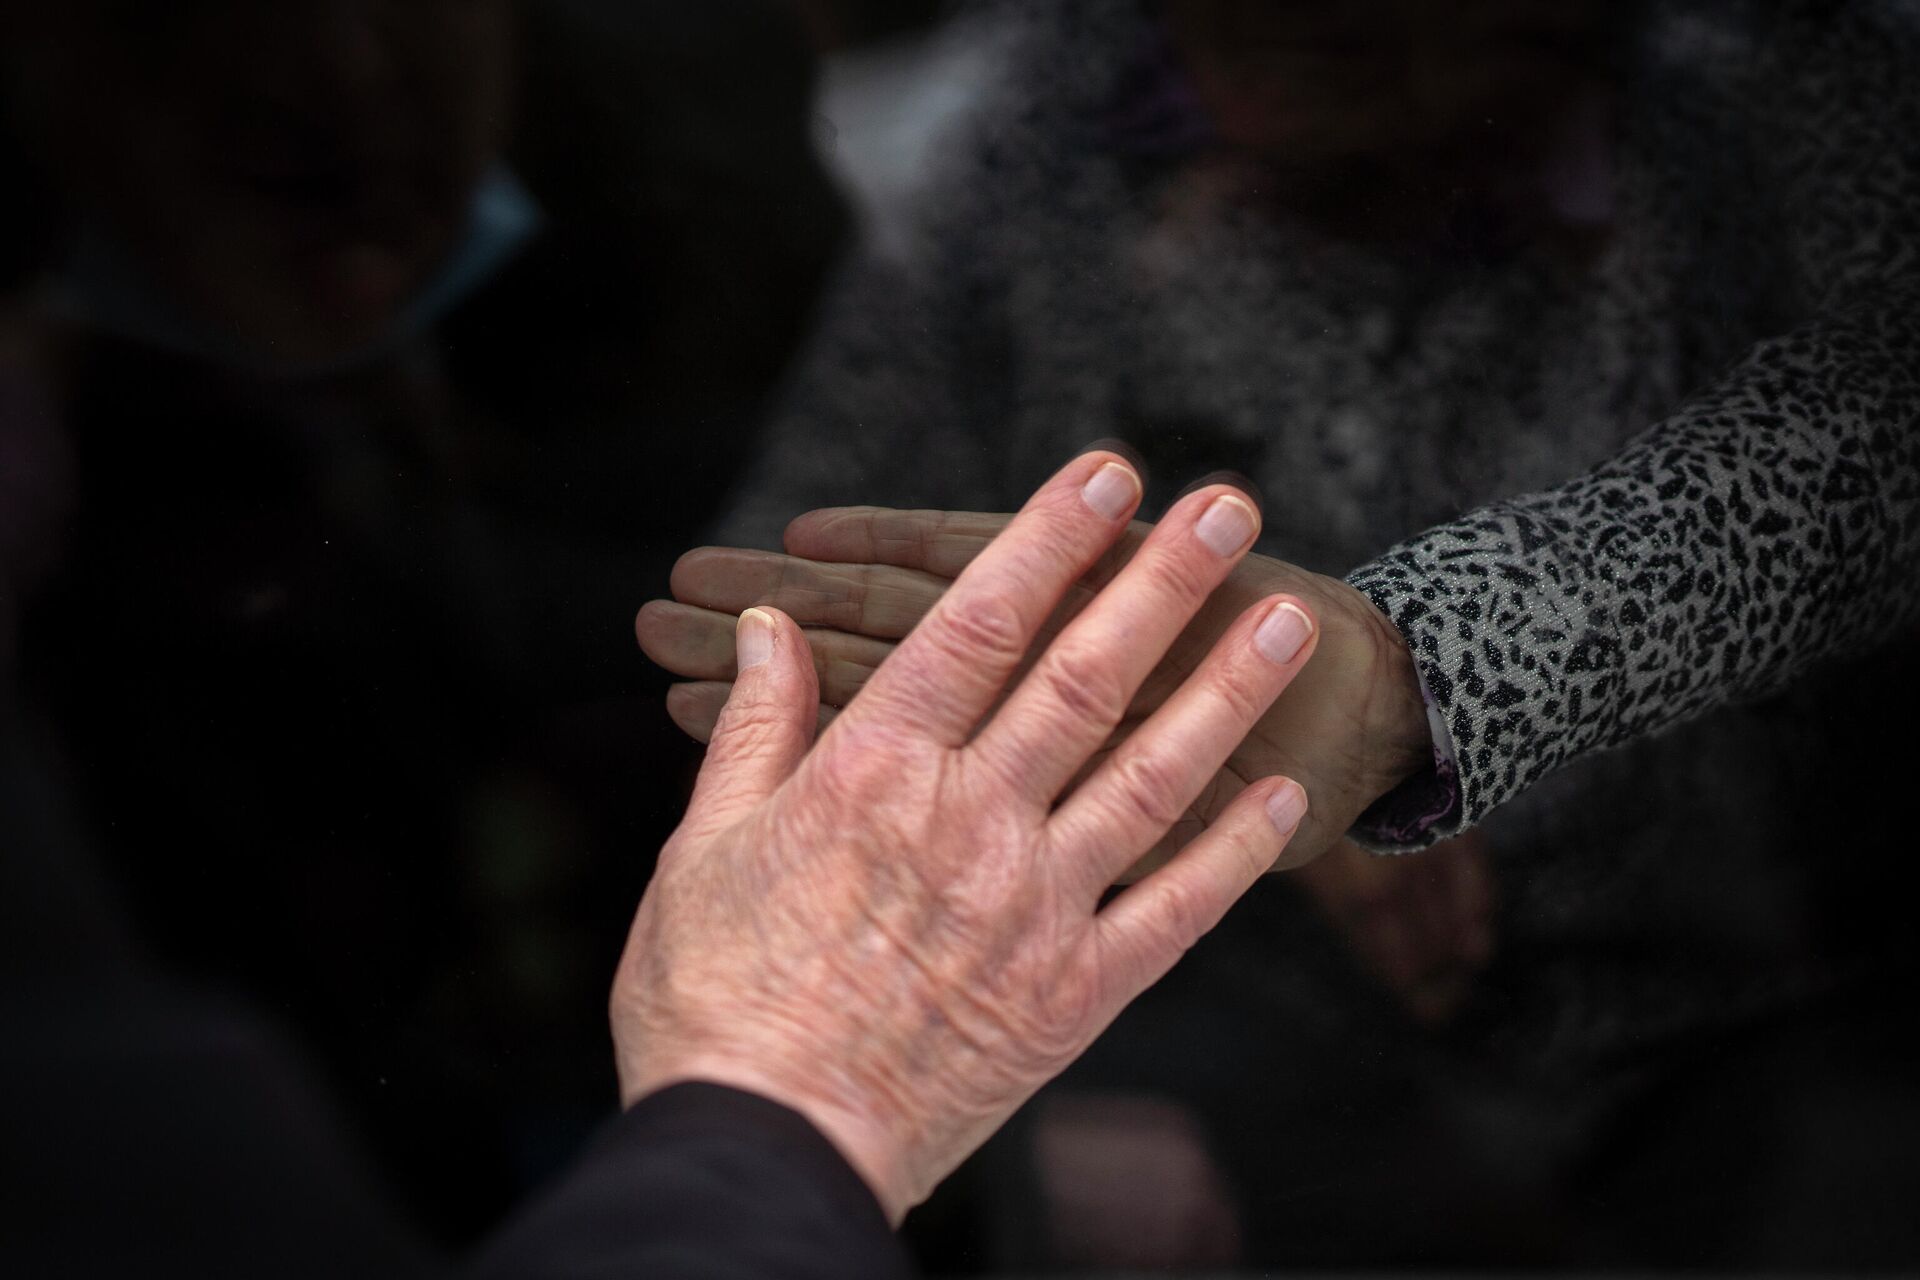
(860, 577)
(897, 930)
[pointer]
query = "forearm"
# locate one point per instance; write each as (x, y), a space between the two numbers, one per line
(1770, 524)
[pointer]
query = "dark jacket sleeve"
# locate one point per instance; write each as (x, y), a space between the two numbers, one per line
(149, 1128)
(702, 1182)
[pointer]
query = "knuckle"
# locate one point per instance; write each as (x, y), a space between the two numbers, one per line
(1047, 1010)
(748, 730)
(1001, 773)
(857, 761)
(1086, 685)
(853, 608)
(1151, 789)
(983, 627)
(915, 683)
(911, 537)
(838, 783)
(1241, 694)
(1060, 1038)
(798, 590)
(1183, 915)
(1180, 576)
(1074, 1005)
(1144, 953)
(1252, 852)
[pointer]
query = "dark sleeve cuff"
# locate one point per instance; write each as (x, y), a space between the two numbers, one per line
(701, 1180)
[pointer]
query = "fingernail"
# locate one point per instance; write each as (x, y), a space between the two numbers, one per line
(752, 639)
(1111, 491)
(1112, 444)
(1234, 478)
(1282, 633)
(1287, 806)
(1226, 525)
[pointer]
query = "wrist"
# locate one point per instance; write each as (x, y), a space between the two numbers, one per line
(1399, 734)
(1406, 743)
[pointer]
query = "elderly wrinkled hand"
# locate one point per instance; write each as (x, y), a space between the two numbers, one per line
(898, 930)
(860, 577)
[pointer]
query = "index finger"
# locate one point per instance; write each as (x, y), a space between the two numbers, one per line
(948, 673)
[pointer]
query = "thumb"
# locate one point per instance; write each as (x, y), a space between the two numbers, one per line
(767, 723)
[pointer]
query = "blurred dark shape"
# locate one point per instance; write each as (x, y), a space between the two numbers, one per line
(1400, 122)
(287, 173)
(845, 24)
(333, 653)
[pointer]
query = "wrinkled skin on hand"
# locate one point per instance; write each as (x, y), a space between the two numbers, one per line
(898, 930)
(1351, 729)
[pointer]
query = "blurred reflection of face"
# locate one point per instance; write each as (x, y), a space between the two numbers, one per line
(290, 170)
(1313, 82)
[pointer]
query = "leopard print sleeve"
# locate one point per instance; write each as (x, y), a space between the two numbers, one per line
(1773, 523)
(1769, 524)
